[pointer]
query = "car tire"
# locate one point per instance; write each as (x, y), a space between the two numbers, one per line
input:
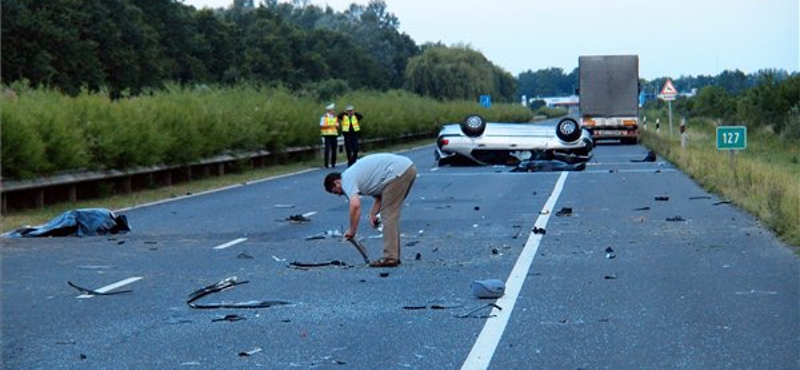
(568, 130)
(473, 125)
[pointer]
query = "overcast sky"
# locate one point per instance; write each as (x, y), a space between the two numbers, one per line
(673, 38)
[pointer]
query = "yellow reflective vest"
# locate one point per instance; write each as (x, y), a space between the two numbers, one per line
(328, 125)
(347, 121)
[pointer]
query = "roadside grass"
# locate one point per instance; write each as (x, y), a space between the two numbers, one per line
(33, 217)
(763, 179)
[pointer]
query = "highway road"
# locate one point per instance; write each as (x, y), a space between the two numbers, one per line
(624, 281)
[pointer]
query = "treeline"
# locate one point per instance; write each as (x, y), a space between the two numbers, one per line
(130, 47)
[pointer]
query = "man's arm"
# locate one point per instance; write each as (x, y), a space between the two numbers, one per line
(373, 212)
(355, 215)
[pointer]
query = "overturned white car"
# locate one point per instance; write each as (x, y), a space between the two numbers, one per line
(475, 141)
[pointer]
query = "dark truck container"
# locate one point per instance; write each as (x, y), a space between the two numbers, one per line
(609, 96)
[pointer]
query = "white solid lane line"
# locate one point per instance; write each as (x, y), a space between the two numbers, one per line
(112, 286)
(486, 344)
(230, 243)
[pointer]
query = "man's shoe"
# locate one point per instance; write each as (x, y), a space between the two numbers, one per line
(384, 262)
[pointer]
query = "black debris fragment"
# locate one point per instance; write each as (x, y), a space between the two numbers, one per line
(231, 318)
(610, 277)
(418, 257)
(662, 198)
(362, 250)
(700, 197)
(383, 274)
(318, 264)
(298, 219)
(610, 253)
(564, 212)
(477, 208)
(675, 219)
(244, 256)
(539, 230)
(650, 157)
(722, 202)
(488, 305)
(94, 292)
(412, 243)
(250, 352)
(642, 209)
(225, 284)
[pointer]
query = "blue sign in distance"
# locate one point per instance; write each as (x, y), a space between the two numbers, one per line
(486, 101)
(731, 137)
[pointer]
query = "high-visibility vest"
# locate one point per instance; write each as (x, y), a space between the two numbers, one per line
(328, 125)
(350, 120)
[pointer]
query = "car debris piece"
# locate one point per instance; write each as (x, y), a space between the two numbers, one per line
(491, 288)
(488, 305)
(325, 235)
(318, 264)
(539, 230)
(250, 352)
(700, 197)
(565, 211)
(80, 222)
(610, 253)
(642, 209)
(225, 284)
(610, 277)
(298, 219)
(675, 219)
(650, 157)
(94, 292)
(231, 318)
(360, 248)
(243, 255)
(722, 202)
(547, 166)
(662, 198)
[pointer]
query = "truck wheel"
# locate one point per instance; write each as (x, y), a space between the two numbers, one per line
(473, 125)
(568, 130)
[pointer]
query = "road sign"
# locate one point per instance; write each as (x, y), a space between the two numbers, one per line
(668, 92)
(731, 137)
(486, 101)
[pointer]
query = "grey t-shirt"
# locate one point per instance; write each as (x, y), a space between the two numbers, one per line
(369, 175)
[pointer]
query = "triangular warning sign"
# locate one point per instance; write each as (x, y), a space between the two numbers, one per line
(669, 88)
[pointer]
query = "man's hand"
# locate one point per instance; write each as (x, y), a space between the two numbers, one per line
(349, 234)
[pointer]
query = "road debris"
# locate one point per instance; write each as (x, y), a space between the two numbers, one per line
(564, 212)
(471, 313)
(230, 318)
(662, 198)
(94, 292)
(360, 248)
(610, 277)
(434, 306)
(539, 230)
(307, 265)
(642, 209)
(650, 157)
(491, 288)
(675, 219)
(225, 284)
(700, 197)
(722, 202)
(251, 352)
(610, 253)
(243, 255)
(296, 219)
(326, 235)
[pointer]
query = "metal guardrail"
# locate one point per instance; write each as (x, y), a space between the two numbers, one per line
(79, 185)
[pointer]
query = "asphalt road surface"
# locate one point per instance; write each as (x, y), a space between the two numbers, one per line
(624, 281)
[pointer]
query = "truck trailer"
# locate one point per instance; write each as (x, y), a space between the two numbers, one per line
(609, 96)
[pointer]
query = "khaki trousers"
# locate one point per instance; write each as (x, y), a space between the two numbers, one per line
(392, 200)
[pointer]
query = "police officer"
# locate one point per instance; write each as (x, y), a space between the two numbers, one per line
(349, 120)
(329, 130)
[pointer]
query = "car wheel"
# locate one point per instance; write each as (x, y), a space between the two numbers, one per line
(568, 130)
(473, 125)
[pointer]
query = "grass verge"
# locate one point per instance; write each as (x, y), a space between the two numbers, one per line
(763, 179)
